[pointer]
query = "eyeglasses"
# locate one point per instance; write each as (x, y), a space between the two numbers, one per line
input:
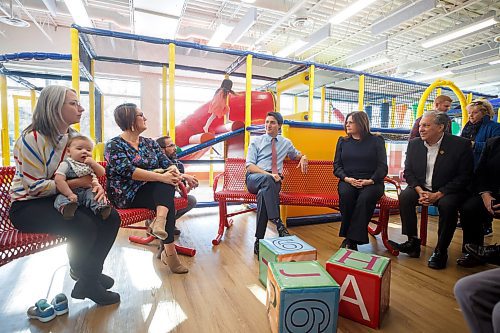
(170, 145)
(140, 115)
(73, 103)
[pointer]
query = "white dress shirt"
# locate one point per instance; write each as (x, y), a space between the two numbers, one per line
(432, 153)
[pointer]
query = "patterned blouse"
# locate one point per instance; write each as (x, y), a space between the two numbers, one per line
(122, 160)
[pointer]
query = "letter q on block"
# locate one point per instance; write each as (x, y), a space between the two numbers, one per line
(365, 281)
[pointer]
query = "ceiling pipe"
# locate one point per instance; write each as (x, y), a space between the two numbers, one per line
(33, 20)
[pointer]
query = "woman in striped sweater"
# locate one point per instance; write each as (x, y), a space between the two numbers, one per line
(37, 154)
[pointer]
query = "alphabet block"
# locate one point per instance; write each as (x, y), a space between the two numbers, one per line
(301, 297)
(290, 248)
(365, 279)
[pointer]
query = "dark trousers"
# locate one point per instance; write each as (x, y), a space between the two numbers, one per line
(356, 207)
(153, 194)
(473, 215)
(268, 202)
(89, 237)
(190, 205)
(479, 298)
(448, 215)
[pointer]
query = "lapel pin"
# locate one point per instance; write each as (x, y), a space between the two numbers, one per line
(441, 152)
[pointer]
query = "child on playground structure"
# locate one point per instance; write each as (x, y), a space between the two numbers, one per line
(218, 106)
(79, 163)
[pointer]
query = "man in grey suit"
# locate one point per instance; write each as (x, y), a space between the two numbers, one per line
(438, 170)
(264, 164)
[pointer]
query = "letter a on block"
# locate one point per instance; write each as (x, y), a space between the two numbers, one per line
(358, 300)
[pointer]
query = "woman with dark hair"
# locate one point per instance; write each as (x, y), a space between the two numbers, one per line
(218, 106)
(132, 183)
(37, 154)
(361, 164)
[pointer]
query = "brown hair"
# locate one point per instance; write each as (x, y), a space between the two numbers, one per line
(442, 98)
(125, 116)
(161, 141)
(78, 137)
(361, 120)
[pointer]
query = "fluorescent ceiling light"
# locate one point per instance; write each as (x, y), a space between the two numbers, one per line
(315, 38)
(350, 11)
(220, 34)
(155, 24)
(482, 85)
(243, 26)
(78, 12)
(495, 62)
(291, 48)
(483, 23)
(432, 76)
(367, 50)
(370, 64)
(248, 1)
(404, 13)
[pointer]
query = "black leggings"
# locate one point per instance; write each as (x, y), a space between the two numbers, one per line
(153, 194)
(89, 237)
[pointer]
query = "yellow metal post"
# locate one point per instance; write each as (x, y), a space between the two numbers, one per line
(5, 121)
(211, 169)
(102, 118)
(171, 90)
(292, 81)
(469, 98)
(164, 124)
(361, 93)
(248, 100)
(295, 104)
(33, 100)
(323, 102)
(278, 100)
(92, 101)
(311, 92)
(438, 92)
(75, 66)
(16, 118)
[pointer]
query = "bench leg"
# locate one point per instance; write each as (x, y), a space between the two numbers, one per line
(223, 222)
(383, 224)
(424, 217)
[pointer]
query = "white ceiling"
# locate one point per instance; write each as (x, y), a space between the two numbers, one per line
(281, 22)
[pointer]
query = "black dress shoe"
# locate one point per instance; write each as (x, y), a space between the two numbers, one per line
(256, 248)
(349, 244)
(410, 247)
(105, 281)
(438, 260)
(467, 260)
(489, 254)
(94, 291)
(282, 230)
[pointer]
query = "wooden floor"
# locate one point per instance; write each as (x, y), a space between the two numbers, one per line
(221, 293)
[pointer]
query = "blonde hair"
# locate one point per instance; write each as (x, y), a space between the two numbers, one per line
(482, 105)
(47, 115)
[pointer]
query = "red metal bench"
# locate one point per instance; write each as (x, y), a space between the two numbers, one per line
(15, 244)
(316, 188)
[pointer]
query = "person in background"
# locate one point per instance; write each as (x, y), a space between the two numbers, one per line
(361, 164)
(264, 164)
(438, 170)
(37, 154)
(170, 149)
(132, 183)
(442, 103)
(218, 106)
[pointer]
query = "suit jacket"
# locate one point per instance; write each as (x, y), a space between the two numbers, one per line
(486, 176)
(453, 167)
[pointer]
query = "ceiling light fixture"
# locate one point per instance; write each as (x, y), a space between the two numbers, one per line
(371, 64)
(432, 76)
(484, 22)
(482, 85)
(366, 51)
(402, 14)
(243, 26)
(291, 48)
(350, 11)
(220, 34)
(315, 38)
(79, 13)
(495, 62)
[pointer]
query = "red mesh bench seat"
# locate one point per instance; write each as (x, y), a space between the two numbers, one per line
(316, 188)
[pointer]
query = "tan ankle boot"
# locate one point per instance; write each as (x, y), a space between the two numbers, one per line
(173, 263)
(157, 227)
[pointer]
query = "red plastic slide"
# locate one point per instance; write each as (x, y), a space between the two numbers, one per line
(262, 103)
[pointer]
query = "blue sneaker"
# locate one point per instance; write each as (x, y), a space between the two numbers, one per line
(42, 311)
(60, 304)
